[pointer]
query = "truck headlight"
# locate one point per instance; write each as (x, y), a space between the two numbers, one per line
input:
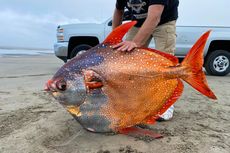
(60, 35)
(60, 30)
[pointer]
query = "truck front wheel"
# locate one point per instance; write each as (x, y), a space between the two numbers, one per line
(218, 63)
(78, 49)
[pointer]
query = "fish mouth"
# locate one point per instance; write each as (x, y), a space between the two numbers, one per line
(72, 94)
(55, 86)
(51, 89)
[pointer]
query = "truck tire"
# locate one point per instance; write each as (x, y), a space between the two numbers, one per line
(218, 63)
(78, 49)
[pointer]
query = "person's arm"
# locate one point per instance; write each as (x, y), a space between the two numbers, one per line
(152, 20)
(117, 18)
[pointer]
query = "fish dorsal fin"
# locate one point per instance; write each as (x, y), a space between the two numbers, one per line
(118, 33)
(166, 55)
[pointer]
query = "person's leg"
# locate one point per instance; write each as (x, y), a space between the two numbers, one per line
(165, 37)
(165, 40)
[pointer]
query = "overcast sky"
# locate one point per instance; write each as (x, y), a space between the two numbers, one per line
(32, 23)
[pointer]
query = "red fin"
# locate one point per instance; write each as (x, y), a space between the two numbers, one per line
(194, 63)
(150, 120)
(94, 85)
(135, 132)
(175, 96)
(166, 55)
(118, 33)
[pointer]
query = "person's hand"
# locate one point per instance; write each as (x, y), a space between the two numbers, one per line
(125, 46)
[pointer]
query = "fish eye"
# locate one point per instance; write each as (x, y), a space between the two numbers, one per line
(61, 85)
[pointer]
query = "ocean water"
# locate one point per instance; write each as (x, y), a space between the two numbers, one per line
(19, 52)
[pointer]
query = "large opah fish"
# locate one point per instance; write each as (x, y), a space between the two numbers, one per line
(109, 90)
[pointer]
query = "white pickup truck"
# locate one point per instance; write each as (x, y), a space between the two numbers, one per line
(73, 38)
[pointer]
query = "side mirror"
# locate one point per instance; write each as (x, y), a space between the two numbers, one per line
(110, 23)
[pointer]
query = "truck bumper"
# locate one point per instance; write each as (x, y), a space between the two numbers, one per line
(61, 50)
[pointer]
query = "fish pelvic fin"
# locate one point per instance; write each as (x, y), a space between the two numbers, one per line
(193, 62)
(139, 132)
(118, 33)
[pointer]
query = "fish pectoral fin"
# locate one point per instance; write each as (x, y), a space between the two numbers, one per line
(94, 85)
(92, 79)
(139, 132)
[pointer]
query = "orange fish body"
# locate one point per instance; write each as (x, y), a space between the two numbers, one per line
(141, 85)
(117, 90)
(135, 84)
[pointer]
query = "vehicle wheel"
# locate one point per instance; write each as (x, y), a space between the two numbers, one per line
(218, 63)
(78, 49)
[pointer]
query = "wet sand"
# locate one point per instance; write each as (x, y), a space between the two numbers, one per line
(32, 121)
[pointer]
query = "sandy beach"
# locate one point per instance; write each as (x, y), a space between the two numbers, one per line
(31, 121)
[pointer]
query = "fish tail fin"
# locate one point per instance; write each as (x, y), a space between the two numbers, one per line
(194, 63)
